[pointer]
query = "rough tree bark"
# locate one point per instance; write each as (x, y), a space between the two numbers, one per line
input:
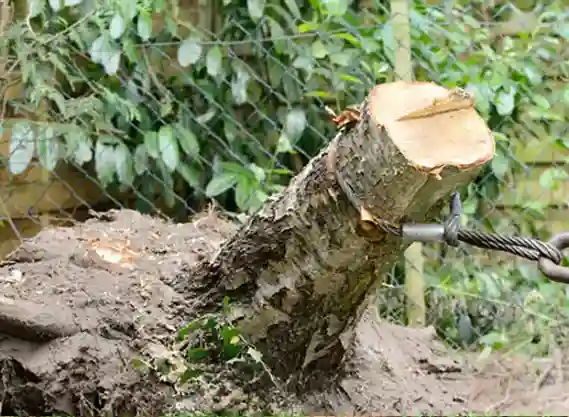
(301, 272)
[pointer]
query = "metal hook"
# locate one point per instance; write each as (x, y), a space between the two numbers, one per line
(552, 271)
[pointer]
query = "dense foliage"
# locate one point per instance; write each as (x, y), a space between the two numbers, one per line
(153, 102)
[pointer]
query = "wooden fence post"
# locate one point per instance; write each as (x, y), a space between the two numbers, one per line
(414, 280)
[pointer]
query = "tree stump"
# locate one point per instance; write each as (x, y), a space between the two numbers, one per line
(301, 271)
(298, 275)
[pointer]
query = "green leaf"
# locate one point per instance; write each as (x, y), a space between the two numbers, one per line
(243, 193)
(97, 48)
(151, 144)
(169, 150)
(284, 145)
(188, 141)
(129, 9)
(319, 94)
(505, 102)
(256, 9)
(303, 62)
(58, 99)
(500, 165)
(342, 58)
(35, 7)
(239, 84)
(490, 285)
(235, 168)
(188, 375)
(494, 339)
(566, 95)
(78, 147)
(144, 26)
(319, 50)
(370, 46)
(347, 37)
(140, 364)
(541, 101)
(294, 9)
(550, 178)
(111, 64)
(278, 35)
(190, 175)
(22, 146)
(105, 161)
(295, 124)
(350, 78)
(257, 171)
(55, 5)
(117, 26)
(308, 27)
(166, 184)
(196, 354)
(206, 117)
(189, 52)
(533, 74)
(214, 61)
(255, 355)
(140, 159)
(220, 184)
(230, 334)
(337, 7)
(171, 25)
(124, 164)
(49, 149)
(191, 327)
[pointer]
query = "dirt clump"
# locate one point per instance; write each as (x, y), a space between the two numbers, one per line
(71, 322)
(88, 321)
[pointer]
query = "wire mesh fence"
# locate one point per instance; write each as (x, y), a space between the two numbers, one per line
(161, 110)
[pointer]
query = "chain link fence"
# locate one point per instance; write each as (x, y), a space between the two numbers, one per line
(163, 109)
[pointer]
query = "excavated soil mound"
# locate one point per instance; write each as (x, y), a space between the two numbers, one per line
(108, 314)
(70, 325)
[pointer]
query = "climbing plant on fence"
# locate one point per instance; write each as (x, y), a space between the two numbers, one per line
(153, 103)
(516, 80)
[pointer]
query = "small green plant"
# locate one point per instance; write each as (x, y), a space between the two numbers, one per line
(210, 339)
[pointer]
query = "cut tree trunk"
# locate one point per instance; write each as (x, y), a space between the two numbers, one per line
(301, 272)
(80, 304)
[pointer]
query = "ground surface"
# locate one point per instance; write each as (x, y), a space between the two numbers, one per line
(104, 316)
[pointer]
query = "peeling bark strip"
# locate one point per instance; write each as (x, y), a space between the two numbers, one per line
(299, 274)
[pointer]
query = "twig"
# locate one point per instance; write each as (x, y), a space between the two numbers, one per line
(10, 221)
(558, 362)
(543, 377)
(493, 409)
